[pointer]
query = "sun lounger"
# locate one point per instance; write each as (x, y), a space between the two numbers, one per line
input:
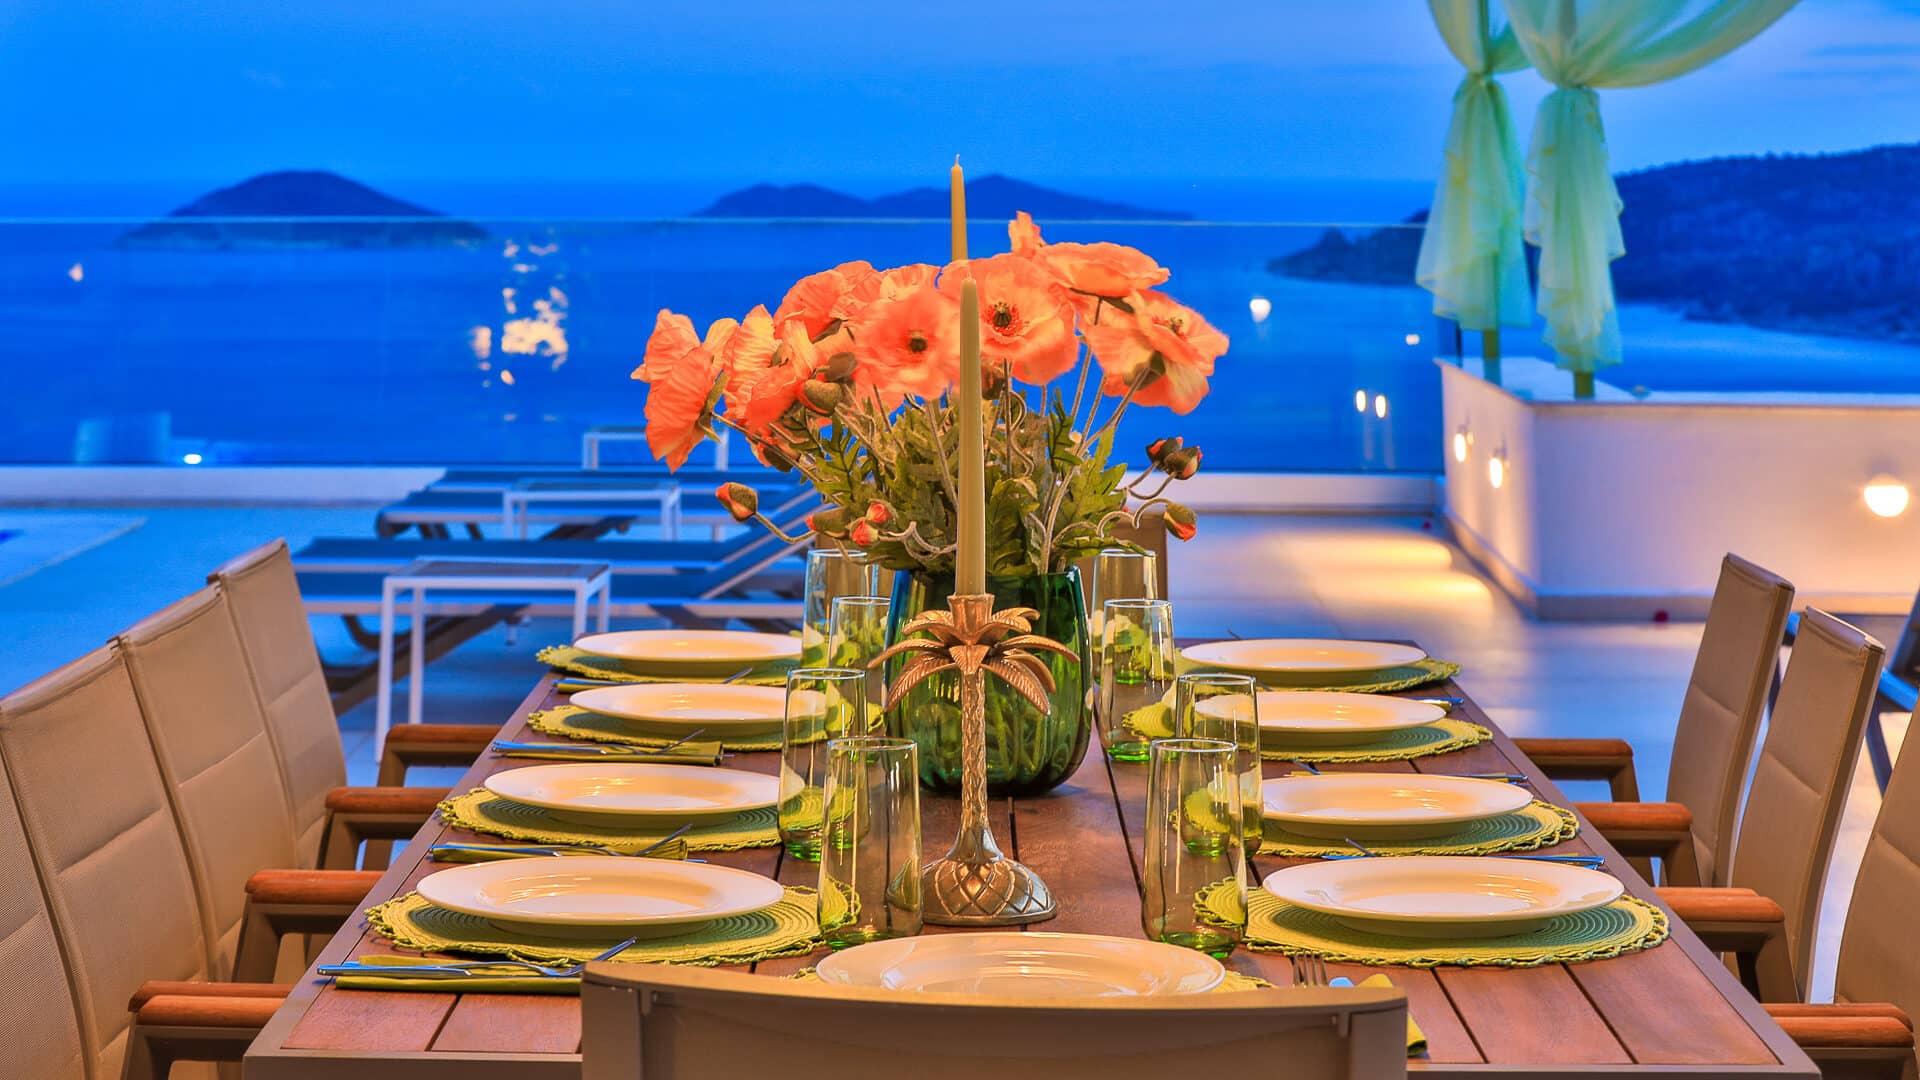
(1899, 689)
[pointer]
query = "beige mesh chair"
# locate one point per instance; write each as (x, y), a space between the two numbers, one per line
(676, 1023)
(1692, 832)
(1868, 1030)
(330, 819)
(210, 737)
(104, 844)
(1769, 918)
(37, 1006)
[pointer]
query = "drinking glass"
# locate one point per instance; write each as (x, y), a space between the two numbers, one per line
(856, 633)
(821, 705)
(1193, 844)
(1119, 574)
(1136, 670)
(1225, 707)
(831, 572)
(870, 849)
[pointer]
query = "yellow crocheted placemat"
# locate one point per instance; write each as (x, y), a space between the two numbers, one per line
(788, 928)
(1443, 736)
(574, 722)
(1273, 925)
(1526, 829)
(484, 812)
(594, 666)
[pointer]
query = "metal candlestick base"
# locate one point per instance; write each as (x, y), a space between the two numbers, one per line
(974, 884)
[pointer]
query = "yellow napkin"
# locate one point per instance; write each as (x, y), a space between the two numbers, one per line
(510, 979)
(1416, 1039)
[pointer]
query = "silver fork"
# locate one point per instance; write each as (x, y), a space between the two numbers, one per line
(455, 971)
(1309, 969)
(565, 849)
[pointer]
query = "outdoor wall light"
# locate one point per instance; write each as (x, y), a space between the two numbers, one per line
(1413, 339)
(195, 459)
(1886, 496)
(1497, 469)
(1359, 401)
(1462, 439)
(1260, 307)
(1380, 406)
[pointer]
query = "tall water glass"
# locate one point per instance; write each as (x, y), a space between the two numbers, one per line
(831, 572)
(822, 704)
(1194, 844)
(856, 633)
(1119, 574)
(1226, 707)
(870, 849)
(1136, 670)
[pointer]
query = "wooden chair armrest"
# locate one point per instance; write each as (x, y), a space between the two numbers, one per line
(414, 801)
(1701, 905)
(1887, 1010)
(440, 737)
(1846, 1032)
(328, 887)
(193, 1010)
(1586, 759)
(154, 988)
(1631, 817)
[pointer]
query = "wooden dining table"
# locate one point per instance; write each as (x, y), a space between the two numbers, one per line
(1674, 1009)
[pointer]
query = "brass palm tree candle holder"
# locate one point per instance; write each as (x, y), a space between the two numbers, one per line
(975, 883)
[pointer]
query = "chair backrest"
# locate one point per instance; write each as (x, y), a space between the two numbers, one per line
(263, 596)
(1726, 696)
(1800, 782)
(1904, 659)
(1879, 951)
(210, 737)
(676, 1023)
(37, 1005)
(105, 847)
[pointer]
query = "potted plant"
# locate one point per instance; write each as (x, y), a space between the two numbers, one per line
(848, 382)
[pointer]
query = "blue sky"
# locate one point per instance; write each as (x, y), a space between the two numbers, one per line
(653, 105)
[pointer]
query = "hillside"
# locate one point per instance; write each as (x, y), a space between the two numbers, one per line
(1827, 242)
(310, 197)
(988, 197)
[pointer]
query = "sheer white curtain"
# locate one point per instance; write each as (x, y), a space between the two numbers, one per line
(1472, 258)
(1573, 209)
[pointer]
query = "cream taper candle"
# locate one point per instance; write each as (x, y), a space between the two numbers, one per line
(970, 566)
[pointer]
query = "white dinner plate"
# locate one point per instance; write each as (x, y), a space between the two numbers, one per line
(1331, 718)
(1444, 895)
(600, 896)
(611, 793)
(1298, 659)
(718, 708)
(692, 652)
(1385, 806)
(1035, 965)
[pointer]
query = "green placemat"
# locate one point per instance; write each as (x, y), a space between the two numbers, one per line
(1443, 736)
(484, 812)
(1273, 925)
(1234, 980)
(1529, 828)
(573, 722)
(593, 666)
(1382, 681)
(788, 928)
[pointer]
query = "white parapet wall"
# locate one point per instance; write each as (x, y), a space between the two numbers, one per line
(1622, 505)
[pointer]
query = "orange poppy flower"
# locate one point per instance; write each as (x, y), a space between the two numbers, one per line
(1162, 348)
(794, 359)
(817, 300)
(746, 356)
(909, 344)
(679, 404)
(672, 338)
(1102, 269)
(1024, 235)
(1026, 324)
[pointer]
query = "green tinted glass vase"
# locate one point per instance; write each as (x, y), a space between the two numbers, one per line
(1028, 752)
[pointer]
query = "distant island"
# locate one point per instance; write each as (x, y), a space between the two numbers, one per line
(988, 198)
(309, 197)
(1826, 243)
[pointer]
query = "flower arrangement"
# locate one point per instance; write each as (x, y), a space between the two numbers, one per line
(848, 382)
